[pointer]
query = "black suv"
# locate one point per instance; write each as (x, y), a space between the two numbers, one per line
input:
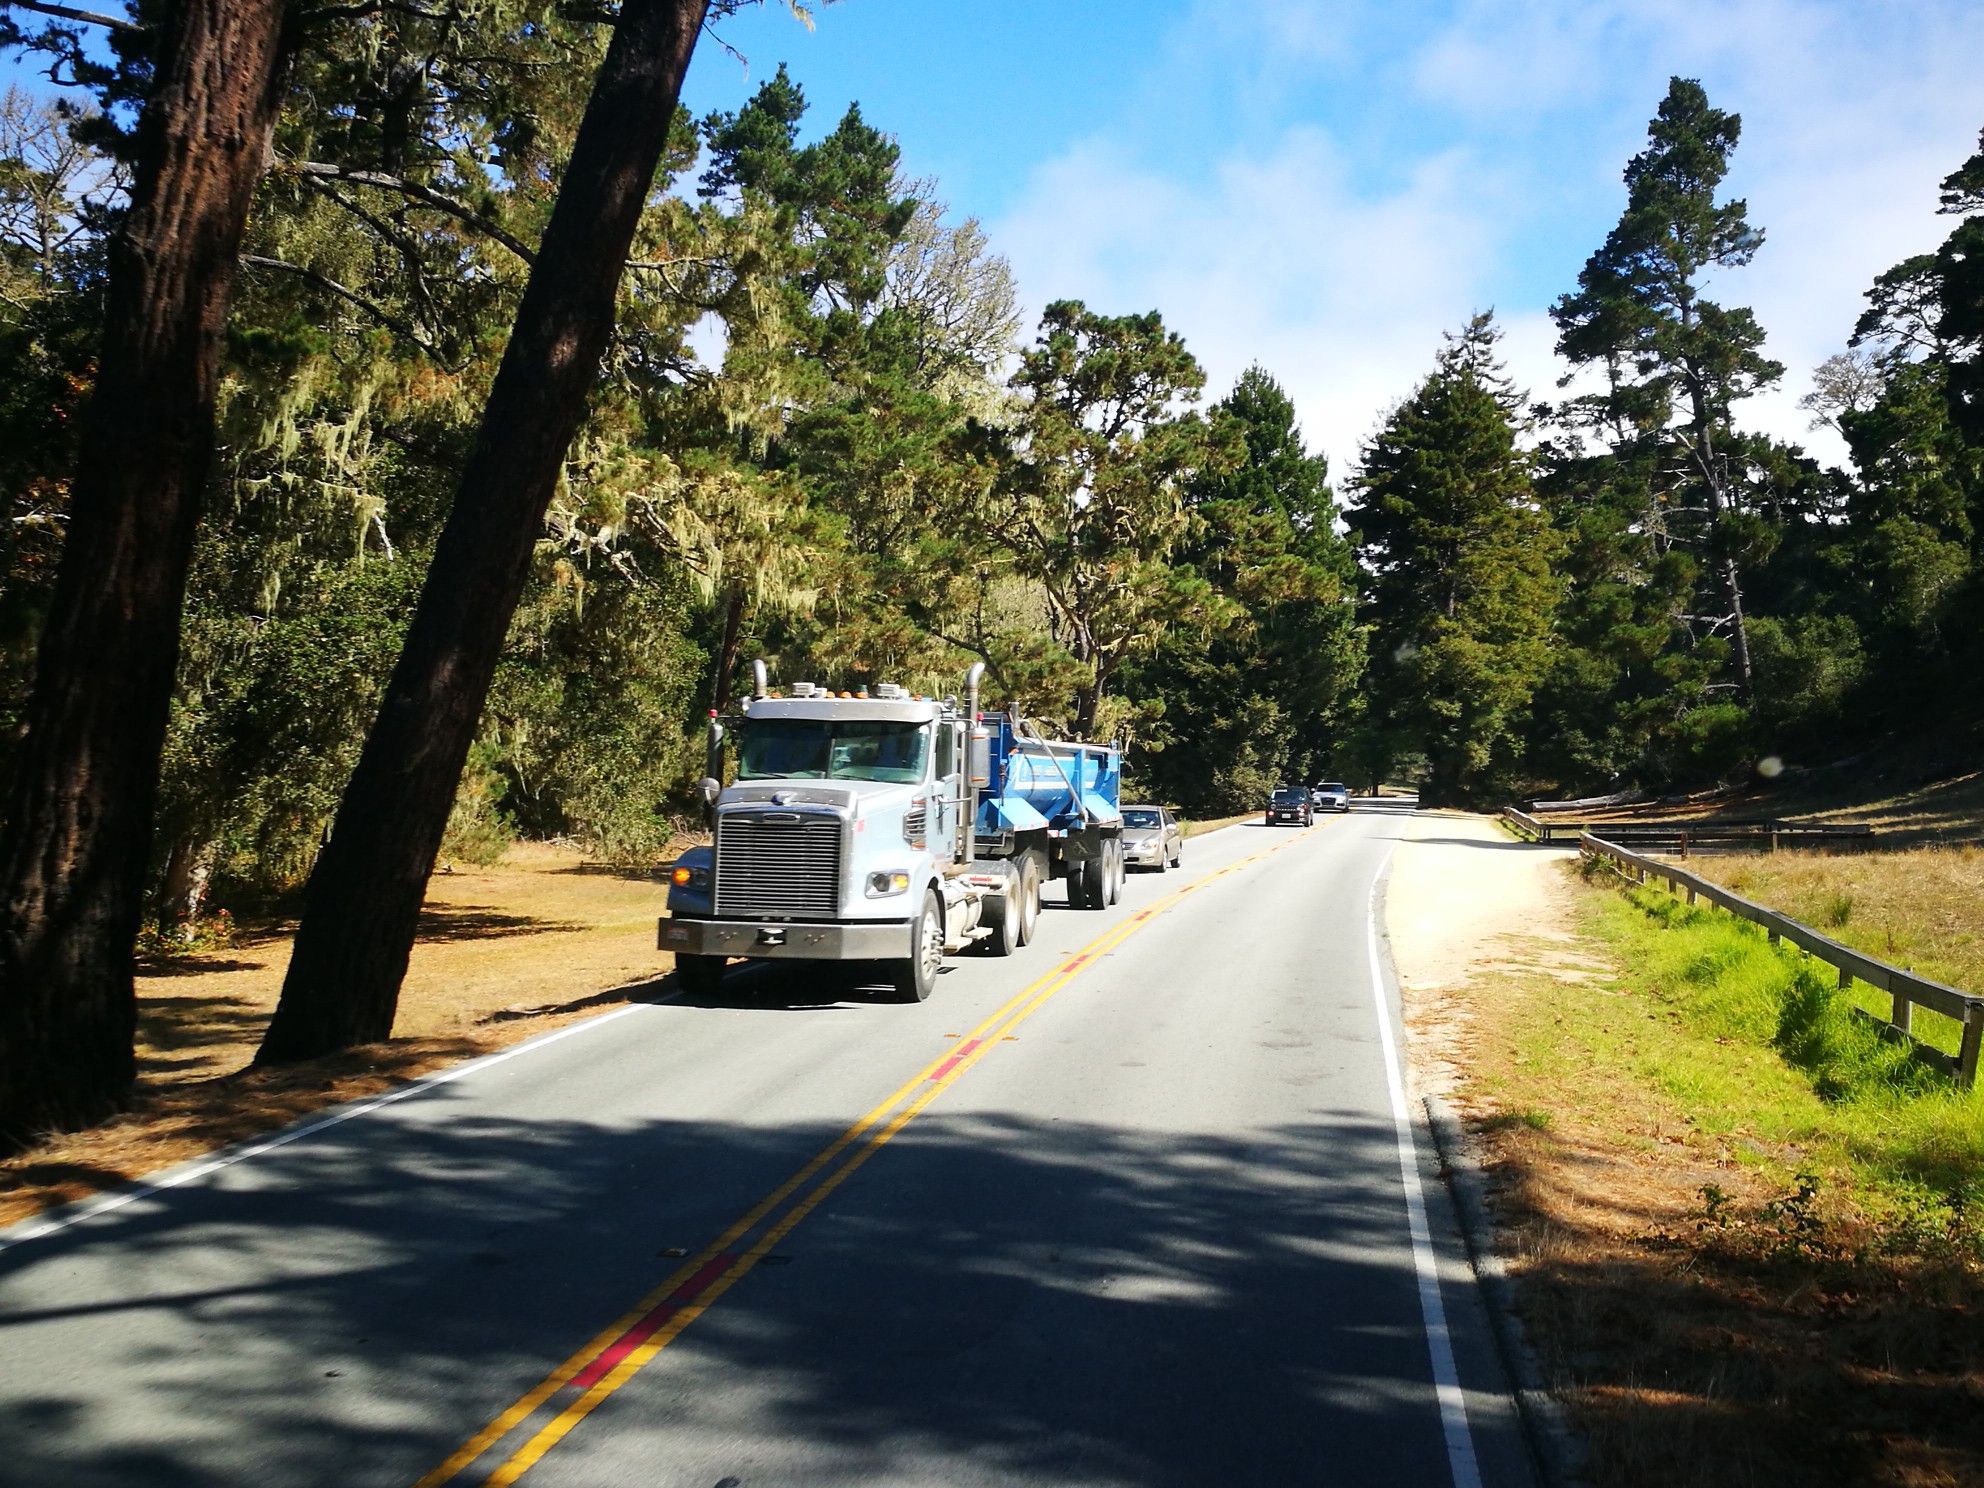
(1291, 804)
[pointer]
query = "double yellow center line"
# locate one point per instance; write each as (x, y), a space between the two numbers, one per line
(623, 1348)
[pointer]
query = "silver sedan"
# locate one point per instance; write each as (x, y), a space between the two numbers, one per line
(1152, 838)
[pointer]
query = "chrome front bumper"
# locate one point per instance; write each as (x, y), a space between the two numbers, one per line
(878, 940)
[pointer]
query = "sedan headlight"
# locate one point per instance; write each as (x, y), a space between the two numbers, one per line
(883, 884)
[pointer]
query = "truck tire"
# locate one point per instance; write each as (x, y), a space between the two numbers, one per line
(1003, 923)
(700, 976)
(914, 977)
(1029, 922)
(1091, 890)
(1114, 869)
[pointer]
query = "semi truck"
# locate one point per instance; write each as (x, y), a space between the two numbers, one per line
(891, 829)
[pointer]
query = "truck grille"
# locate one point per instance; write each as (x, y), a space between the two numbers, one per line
(782, 864)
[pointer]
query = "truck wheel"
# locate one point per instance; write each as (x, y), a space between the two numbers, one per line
(1004, 923)
(1094, 884)
(1114, 869)
(700, 976)
(914, 978)
(1077, 881)
(1029, 906)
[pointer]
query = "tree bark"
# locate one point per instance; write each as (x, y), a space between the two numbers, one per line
(78, 834)
(1728, 577)
(363, 901)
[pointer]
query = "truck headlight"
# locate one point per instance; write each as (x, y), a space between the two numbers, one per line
(882, 885)
(685, 877)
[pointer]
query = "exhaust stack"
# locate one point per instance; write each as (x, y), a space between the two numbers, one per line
(969, 816)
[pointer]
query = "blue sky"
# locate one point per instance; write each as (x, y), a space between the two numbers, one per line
(1322, 186)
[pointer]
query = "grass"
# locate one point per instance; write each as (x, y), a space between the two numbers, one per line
(1882, 1122)
(1920, 908)
(1745, 1229)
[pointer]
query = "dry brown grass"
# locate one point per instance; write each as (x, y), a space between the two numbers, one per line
(1690, 1353)
(504, 952)
(1921, 908)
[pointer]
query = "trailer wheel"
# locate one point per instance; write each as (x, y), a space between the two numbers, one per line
(1091, 891)
(1115, 869)
(700, 976)
(1004, 925)
(1076, 877)
(1029, 905)
(916, 976)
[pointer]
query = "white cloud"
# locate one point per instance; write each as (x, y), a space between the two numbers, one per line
(1505, 127)
(1851, 114)
(1274, 260)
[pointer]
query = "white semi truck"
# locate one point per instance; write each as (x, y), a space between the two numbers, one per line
(885, 828)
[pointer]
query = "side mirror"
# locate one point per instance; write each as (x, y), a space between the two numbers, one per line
(980, 762)
(709, 788)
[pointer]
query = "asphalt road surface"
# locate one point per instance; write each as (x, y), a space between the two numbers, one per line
(1140, 1205)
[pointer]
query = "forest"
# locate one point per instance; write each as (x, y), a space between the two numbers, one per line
(816, 429)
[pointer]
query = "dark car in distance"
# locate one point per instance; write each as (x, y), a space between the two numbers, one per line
(1291, 804)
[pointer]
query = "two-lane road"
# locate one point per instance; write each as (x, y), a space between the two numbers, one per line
(1138, 1205)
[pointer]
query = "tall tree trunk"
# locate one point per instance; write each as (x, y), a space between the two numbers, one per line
(78, 834)
(363, 900)
(1728, 580)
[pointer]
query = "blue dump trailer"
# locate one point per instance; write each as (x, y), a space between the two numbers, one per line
(887, 828)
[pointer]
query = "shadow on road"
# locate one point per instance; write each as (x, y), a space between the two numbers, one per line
(1050, 1301)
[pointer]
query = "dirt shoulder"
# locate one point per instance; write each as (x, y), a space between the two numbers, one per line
(505, 952)
(1706, 1312)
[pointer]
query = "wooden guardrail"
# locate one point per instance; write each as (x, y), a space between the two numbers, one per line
(1681, 836)
(1908, 990)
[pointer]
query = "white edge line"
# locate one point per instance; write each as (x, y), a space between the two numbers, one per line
(1439, 1343)
(82, 1210)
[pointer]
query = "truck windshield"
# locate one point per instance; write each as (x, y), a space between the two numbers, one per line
(833, 749)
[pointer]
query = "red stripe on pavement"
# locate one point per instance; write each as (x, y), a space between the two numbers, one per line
(646, 1328)
(961, 1052)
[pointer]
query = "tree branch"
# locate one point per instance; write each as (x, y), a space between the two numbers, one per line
(414, 191)
(360, 12)
(86, 17)
(385, 317)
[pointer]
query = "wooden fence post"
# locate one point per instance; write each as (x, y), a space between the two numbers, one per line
(1973, 1035)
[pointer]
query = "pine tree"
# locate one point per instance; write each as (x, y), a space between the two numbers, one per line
(1259, 699)
(79, 820)
(1676, 362)
(364, 896)
(1458, 589)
